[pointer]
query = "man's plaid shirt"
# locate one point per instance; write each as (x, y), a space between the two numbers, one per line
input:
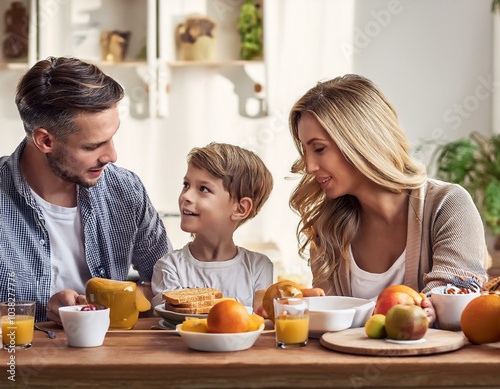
(121, 227)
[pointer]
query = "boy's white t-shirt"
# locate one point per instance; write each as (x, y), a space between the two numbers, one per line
(369, 285)
(239, 277)
(67, 253)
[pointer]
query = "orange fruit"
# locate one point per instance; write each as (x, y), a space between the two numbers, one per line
(194, 324)
(285, 288)
(255, 322)
(228, 316)
(480, 320)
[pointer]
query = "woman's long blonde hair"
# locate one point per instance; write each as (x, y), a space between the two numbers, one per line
(365, 127)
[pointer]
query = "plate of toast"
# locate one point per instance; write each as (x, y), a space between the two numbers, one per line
(175, 317)
(193, 302)
(190, 302)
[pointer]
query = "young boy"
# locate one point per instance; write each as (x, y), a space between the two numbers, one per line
(224, 187)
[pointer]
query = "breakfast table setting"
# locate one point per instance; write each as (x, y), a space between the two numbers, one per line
(307, 342)
(148, 358)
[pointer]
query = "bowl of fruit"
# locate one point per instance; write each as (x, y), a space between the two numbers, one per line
(85, 325)
(227, 327)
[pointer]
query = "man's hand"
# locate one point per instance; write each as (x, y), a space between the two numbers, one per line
(61, 299)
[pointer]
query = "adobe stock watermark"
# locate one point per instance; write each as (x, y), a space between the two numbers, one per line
(225, 7)
(48, 10)
(482, 92)
(40, 355)
(363, 37)
(10, 334)
(455, 115)
(264, 136)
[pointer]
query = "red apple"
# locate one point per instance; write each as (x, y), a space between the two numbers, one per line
(396, 294)
(406, 322)
(389, 300)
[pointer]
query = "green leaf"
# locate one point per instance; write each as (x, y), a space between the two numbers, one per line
(474, 163)
(491, 206)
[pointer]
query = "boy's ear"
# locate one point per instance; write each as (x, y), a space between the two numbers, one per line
(243, 209)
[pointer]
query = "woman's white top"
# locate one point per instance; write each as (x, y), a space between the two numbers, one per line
(369, 285)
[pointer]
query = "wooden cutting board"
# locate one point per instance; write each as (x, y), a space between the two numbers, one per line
(355, 341)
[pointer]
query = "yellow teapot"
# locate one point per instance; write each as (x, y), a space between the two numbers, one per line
(123, 299)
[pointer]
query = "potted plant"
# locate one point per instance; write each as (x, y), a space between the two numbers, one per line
(495, 6)
(474, 163)
(250, 29)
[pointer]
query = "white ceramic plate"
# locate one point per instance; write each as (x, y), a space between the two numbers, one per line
(421, 340)
(166, 325)
(174, 317)
(220, 342)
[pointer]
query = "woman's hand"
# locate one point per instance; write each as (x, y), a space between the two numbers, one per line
(311, 292)
(259, 295)
(257, 303)
(429, 310)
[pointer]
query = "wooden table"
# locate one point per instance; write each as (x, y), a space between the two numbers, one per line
(154, 359)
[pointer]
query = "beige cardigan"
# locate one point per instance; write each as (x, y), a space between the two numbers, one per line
(445, 239)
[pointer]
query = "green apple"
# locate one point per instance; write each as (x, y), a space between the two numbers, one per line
(375, 327)
(406, 322)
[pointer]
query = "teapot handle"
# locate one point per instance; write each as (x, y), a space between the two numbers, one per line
(141, 302)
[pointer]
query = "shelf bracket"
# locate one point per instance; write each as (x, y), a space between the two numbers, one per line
(249, 88)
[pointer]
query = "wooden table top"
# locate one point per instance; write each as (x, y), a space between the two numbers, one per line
(143, 358)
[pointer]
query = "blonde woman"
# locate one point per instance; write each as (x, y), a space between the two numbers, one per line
(370, 216)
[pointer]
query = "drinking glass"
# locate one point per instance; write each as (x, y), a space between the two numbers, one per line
(18, 324)
(291, 322)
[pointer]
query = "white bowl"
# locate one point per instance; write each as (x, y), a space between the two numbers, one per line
(84, 328)
(337, 313)
(449, 308)
(219, 342)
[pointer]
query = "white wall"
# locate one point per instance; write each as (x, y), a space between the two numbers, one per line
(432, 58)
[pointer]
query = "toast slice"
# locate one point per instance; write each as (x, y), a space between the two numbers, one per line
(190, 295)
(190, 311)
(492, 285)
(197, 304)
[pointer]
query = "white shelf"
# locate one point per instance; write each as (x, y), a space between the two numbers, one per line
(74, 27)
(124, 64)
(229, 63)
(248, 77)
(13, 65)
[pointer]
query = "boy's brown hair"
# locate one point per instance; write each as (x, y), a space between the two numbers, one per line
(242, 172)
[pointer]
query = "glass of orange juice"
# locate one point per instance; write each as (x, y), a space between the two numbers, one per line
(18, 323)
(291, 321)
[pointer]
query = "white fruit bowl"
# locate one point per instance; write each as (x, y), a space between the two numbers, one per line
(219, 342)
(337, 313)
(449, 308)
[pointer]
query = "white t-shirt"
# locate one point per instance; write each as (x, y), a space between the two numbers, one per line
(238, 277)
(369, 285)
(67, 253)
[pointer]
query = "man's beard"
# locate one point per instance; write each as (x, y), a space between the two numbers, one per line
(58, 161)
